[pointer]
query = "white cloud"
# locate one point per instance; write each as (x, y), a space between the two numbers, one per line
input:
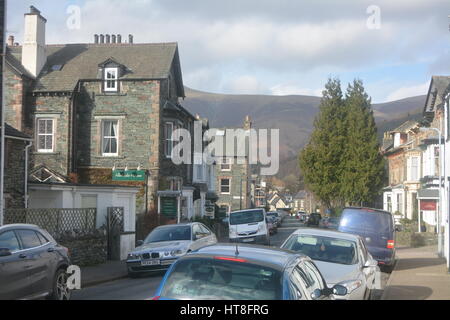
(288, 90)
(411, 91)
(245, 85)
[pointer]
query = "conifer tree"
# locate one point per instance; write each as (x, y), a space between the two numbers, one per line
(320, 161)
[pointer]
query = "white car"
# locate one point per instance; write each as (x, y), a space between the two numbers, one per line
(341, 258)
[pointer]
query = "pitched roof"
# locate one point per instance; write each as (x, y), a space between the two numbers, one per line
(16, 65)
(12, 132)
(406, 126)
(439, 85)
(81, 62)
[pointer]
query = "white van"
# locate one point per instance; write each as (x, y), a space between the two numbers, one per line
(249, 226)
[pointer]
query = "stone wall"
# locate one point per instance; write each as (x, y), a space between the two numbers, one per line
(86, 250)
(14, 174)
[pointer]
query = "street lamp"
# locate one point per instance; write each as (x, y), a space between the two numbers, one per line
(441, 172)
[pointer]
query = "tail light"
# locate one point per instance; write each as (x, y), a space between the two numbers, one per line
(156, 298)
(230, 259)
(390, 244)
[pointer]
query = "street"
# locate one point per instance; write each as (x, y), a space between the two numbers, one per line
(144, 287)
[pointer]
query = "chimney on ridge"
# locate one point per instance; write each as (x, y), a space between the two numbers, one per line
(11, 41)
(34, 54)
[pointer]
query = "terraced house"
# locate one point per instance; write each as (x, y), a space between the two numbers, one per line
(96, 111)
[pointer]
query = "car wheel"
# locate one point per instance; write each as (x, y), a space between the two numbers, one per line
(60, 288)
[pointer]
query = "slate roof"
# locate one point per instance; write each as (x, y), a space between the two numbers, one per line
(81, 62)
(12, 132)
(406, 126)
(438, 87)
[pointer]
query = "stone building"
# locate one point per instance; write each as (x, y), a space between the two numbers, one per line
(92, 108)
(233, 170)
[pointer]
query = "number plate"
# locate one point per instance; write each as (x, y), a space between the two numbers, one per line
(150, 262)
(248, 240)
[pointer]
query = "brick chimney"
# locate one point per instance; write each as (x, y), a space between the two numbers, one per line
(34, 54)
(247, 123)
(130, 39)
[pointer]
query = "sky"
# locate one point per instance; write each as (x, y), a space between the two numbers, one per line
(273, 47)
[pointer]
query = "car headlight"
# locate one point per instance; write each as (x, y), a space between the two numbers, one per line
(351, 285)
(233, 233)
(179, 252)
(133, 256)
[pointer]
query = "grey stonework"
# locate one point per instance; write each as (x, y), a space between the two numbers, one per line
(14, 183)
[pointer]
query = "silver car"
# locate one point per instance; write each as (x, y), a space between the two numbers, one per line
(165, 244)
(341, 258)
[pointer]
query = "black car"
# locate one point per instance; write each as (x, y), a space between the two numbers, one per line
(32, 264)
(377, 228)
(314, 219)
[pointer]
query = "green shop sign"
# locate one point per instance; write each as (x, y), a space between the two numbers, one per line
(128, 175)
(169, 206)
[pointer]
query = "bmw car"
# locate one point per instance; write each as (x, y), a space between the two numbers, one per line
(165, 244)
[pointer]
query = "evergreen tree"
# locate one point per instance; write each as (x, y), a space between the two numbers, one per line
(363, 166)
(320, 161)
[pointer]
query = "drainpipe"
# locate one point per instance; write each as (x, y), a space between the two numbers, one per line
(30, 143)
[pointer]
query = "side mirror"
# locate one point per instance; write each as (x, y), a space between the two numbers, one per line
(4, 252)
(339, 290)
(140, 243)
(370, 263)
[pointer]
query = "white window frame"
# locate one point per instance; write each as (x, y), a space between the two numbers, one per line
(45, 134)
(226, 162)
(115, 80)
(411, 177)
(109, 137)
(229, 185)
(168, 140)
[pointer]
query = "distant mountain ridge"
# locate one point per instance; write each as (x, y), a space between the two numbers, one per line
(293, 115)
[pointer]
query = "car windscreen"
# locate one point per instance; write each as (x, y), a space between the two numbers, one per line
(214, 279)
(243, 217)
(327, 249)
(369, 221)
(175, 233)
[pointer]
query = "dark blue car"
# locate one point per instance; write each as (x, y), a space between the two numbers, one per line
(245, 272)
(377, 228)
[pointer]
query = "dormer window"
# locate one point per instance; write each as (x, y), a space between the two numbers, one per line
(111, 79)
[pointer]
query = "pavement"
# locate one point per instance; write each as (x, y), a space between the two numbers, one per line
(419, 274)
(109, 271)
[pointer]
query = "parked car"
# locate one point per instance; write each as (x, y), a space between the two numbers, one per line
(276, 216)
(376, 227)
(323, 222)
(165, 244)
(272, 224)
(303, 217)
(32, 264)
(341, 258)
(329, 223)
(249, 226)
(246, 272)
(314, 220)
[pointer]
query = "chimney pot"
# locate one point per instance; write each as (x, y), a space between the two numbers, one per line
(11, 41)
(102, 38)
(33, 9)
(96, 38)
(113, 38)
(108, 38)
(130, 38)
(119, 38)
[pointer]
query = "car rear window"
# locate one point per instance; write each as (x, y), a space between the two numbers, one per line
(212, 279)
(243, 217)
(368, 220)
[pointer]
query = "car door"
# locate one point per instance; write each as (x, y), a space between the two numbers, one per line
(196, 237)
(210, 237)
(368, 272)
(39, 259)
(14, 275)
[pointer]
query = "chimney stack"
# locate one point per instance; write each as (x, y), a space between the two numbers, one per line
(11, 41)
(119, 38)
(34, 54)
(96, 39)
(102, 38)
(108, 38)
(130, 39)
(113, 38)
